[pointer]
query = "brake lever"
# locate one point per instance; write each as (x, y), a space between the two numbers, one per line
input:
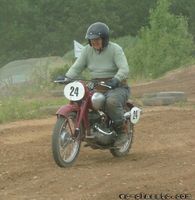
(102, 83)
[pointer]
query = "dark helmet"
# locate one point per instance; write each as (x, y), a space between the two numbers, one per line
(98, 30)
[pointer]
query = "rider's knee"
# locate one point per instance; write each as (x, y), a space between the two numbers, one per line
(111, 102)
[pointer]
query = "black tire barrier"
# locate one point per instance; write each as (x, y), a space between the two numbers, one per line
(163, 98)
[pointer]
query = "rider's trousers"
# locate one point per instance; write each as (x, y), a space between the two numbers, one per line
(115, 102)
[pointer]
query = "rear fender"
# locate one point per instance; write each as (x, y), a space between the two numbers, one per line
(66, 109)
(129, 104)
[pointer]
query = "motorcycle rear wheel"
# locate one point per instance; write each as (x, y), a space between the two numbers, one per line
(65, 146)
(124, 149)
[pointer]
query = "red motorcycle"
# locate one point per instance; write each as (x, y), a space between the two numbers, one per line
(83, 120)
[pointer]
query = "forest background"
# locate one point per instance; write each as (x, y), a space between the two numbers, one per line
(38, 28)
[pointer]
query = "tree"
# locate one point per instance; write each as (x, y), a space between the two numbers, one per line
(37, 28)
(163, 45)
(187, 9)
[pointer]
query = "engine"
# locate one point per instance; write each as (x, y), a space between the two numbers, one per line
(103, 134)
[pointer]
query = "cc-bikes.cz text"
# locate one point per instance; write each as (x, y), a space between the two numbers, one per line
(154, 196)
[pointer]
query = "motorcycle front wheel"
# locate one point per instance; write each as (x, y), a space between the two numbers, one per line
(65, 145)
(124, 149)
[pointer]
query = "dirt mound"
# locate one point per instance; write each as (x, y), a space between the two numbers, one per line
(182, 79)
(20, 71)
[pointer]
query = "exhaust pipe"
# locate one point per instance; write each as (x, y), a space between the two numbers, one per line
(102, 131)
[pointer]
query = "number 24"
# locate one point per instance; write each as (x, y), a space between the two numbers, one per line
(74, 91)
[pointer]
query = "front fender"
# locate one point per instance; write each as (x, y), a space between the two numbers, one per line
(66, 109)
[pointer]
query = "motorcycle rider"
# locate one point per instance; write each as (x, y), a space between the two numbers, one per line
(107, 62)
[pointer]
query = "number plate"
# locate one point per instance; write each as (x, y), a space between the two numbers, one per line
(74, 91)
(135, 114)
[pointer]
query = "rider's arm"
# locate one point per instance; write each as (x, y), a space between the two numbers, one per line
(79, 65)
(121, 62)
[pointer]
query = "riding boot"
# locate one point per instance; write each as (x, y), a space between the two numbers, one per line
(121, 130)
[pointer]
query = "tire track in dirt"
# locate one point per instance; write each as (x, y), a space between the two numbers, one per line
(161, 160)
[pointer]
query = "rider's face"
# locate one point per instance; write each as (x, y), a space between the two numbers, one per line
(97, 43)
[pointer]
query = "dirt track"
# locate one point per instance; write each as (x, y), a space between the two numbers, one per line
(162, 159)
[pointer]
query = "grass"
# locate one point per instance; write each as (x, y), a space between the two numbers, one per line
(18, 108)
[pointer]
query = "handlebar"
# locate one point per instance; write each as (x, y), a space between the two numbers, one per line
(91, 86)
(59, 81)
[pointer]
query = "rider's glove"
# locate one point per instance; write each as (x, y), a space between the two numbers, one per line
(114, 83)
(59, 79)
(67, 80)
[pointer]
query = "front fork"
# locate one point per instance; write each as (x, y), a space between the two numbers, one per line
(82, 125)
